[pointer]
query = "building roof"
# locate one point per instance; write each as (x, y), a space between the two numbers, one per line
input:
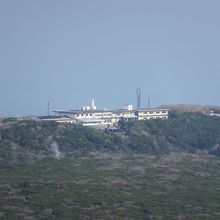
(153, 109)
(52, 117)
(108, 111)
(123, 111)
(82, 111)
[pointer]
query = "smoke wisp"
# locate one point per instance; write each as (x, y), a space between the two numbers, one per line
(55, 150)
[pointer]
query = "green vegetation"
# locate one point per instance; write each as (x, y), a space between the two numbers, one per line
(191, 132)
(112, 186)
(155, 169)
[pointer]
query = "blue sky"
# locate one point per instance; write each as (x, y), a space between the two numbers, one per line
(68, 52)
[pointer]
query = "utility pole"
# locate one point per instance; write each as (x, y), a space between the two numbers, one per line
(148, 102)
(48, 108)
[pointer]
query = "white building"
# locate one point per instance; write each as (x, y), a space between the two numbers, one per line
(90, 116)
(149, 113)
(101, 123)
(212, 113)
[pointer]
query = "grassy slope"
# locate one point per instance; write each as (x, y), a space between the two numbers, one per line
(191, 132)
(107, 176)
(113, 186)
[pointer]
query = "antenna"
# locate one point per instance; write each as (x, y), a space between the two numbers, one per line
(148, 101)
(138, 93)
(48, 108)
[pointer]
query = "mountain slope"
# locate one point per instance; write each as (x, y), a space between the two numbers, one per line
(190, 132)
(56, 171)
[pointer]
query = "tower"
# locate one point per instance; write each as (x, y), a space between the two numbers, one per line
(93, 105)
(138, 93)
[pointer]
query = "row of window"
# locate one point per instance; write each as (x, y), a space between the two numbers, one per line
(79, 115)
(95, 122)
(97, 115)
(154, 117)
(92, 122)
(120, 114)
(152, 113)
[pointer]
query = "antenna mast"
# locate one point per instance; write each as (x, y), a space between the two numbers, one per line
(138, 93)
(48, 108)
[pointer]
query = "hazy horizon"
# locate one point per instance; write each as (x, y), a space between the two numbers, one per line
(72, 51)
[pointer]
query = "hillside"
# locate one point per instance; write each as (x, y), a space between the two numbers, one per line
(192, 108)
(185, 132)
(156, 169)
(190, 132)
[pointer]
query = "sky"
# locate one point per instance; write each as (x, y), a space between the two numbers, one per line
(68, 52)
